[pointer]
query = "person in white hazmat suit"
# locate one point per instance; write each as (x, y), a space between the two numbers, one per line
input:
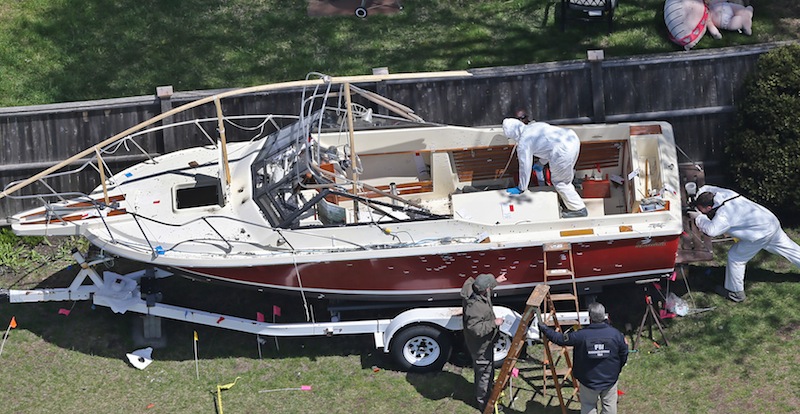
(551, 144)
(752, 226)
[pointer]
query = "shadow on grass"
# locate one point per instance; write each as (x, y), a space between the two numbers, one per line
(82, 327)
(534, 406)
(443, 385)
(106, 49)
(528, 389)
(99, 331)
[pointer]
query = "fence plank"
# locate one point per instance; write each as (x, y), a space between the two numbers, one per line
(696, 91)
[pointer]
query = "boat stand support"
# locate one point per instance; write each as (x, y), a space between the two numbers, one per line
(650, 317)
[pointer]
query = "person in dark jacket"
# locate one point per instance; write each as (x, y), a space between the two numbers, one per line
(480, 331)
(599, 353)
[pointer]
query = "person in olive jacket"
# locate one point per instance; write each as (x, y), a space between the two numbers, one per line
(599, 353)
(480, 331)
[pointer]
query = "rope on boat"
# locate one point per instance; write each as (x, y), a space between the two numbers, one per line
(302, 291)
(689, 158)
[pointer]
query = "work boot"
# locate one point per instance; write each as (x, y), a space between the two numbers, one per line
(574, 213)
(733, 296)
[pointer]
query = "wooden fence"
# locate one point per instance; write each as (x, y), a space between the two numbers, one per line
(695, 91)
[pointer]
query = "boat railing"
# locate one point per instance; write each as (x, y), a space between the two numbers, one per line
(156, 250)
(216, 99)
(103, 156)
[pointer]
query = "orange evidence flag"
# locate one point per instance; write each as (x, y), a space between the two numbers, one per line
(13, 323)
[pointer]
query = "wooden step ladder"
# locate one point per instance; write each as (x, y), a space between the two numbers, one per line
(559, 267)
(541, 294)
(554, 354)
(532, 306)
(556, 272)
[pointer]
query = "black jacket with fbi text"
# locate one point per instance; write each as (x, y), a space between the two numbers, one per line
(599, 353)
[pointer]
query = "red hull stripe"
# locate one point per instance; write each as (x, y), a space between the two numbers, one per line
(431, 273)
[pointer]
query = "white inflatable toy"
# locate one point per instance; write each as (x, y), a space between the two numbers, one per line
(686, 21)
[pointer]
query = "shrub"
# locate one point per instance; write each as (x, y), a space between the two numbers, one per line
(764, 150)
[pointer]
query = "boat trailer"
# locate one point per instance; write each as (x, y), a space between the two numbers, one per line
(420, 339)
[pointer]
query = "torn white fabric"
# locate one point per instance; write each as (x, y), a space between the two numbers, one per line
(141, 358)
(121, 292)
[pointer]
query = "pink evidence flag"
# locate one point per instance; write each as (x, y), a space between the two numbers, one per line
(259, 317)
(63, 311)
(276, 310)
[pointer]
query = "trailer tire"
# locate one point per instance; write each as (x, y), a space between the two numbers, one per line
(501, 348)
(421, 348)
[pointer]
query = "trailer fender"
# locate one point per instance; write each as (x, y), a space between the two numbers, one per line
(448, 318)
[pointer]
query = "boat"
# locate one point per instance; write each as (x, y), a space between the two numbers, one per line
(355, 196)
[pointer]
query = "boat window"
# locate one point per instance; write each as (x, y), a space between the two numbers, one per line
(197, 196)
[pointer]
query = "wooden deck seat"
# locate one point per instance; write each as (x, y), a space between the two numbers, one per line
(604, 154)
(402, 189)
(485, 163)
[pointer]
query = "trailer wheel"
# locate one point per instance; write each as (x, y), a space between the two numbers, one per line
(501, 348)
(421, 348)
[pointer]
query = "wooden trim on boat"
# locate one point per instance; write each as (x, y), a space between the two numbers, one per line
(72, 218)
(82, 204)
(577, 232)
(646, 129)
(603, 154)
(485, 163)
(402, 189)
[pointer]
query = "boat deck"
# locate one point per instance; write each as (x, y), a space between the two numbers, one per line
(618, 171)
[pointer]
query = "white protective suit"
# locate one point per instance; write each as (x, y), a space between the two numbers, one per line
(551, 144)
(753, 225)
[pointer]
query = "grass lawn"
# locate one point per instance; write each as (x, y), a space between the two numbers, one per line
(57, 51)
(733, 358)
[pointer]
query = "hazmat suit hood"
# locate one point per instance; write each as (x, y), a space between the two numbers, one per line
(512, 128)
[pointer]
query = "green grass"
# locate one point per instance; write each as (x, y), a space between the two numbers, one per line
(735, 358)
(55, 51)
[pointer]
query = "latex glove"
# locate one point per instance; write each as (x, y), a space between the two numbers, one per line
(538, 167)
(693, 214)
(514, 190)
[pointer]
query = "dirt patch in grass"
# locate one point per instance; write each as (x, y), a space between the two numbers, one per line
(41, 262)
(787, 332)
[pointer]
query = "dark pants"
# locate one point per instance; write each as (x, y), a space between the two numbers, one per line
(483, 364)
